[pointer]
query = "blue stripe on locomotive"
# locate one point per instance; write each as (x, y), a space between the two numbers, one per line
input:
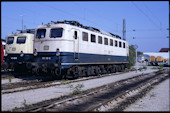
(68, 57)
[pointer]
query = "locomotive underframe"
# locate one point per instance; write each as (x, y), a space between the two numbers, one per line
(65, 65)
(60, 71)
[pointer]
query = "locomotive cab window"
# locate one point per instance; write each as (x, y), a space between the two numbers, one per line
(10, 40)
(41, 33)
(85, 36)
(56, 33)
(93, 38)
(21, 40)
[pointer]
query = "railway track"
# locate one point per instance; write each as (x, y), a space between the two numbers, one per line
(124, 99)
(44, 82)
(6, 74)
(111, 97)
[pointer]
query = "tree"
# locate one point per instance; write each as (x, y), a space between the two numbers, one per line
(139, 53)
(132, 56)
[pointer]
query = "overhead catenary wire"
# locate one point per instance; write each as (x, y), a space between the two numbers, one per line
(73, 15)
(148, 38)
(155, 17)
(157, 26)
(60, 10)
(145, 15)
(141, 30)
(151, 12)
(18, 20)
(83, 18)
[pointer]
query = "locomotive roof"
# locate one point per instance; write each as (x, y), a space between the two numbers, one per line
(77, 24)
(32, 31)
(26, 32)
(16, 34)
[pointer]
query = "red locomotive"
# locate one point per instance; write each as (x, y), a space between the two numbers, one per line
(2, 54)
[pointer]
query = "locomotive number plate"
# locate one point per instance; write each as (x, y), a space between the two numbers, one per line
(46, 58)
(14, 58)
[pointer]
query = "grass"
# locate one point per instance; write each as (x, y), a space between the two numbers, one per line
(160, 67)
(10, 80)
(65, 82)
(144, 67)
(76, 89)
(25, 103)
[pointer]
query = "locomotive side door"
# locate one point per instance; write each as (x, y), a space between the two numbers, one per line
(76, 37)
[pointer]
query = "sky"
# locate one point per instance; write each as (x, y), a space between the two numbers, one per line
(147, 22)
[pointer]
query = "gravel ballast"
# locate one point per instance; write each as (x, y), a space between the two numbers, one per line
(158, 99)
(20, 99)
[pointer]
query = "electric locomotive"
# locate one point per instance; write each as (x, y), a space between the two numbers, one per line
(69, 49)
(19, 49)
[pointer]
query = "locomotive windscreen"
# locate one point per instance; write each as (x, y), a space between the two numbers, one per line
(57, 32)
(10, 40)
(41, 33)
(21, 40)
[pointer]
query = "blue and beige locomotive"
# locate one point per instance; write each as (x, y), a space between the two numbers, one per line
(19, 49)
(69, 49)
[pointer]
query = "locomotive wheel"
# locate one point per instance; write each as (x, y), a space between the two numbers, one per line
(96, 70)
(34, 71)
(56, 73)
(83, 72)
(86, 74)
(75, 76)
(114, 69)
(76, 72)
(102, 69)
(123, 67)
(119, 68)
(38, 71)
(108, 69)
(71, 74)
(99, 70)
(88, 71)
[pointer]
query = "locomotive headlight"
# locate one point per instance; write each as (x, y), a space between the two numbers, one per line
(35, 52)
(57, 52)
(21, 54)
